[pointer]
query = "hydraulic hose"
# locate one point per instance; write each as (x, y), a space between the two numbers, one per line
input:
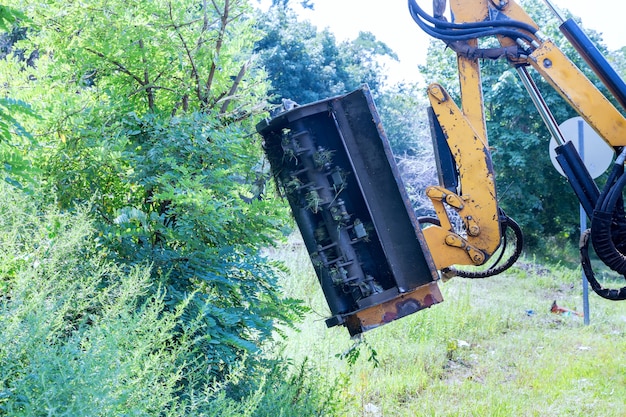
(454, 32)
(602, 239)
(467, 34)
(418, 13)
(608, 219)
(607, 293)
(496, 268)
(607, 233)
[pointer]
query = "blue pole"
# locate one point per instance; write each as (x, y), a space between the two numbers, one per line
(583, 225)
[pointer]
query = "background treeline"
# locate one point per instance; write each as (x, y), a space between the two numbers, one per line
(136, 205)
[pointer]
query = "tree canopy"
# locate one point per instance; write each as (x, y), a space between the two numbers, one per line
(306, 65)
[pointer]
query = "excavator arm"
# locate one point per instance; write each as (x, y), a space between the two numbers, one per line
(461, 131)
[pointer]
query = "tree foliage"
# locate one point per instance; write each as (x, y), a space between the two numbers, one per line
(148, 111)
(307, 65)
(157, 56)
(83, 336)
(15, 140)
(402, 110)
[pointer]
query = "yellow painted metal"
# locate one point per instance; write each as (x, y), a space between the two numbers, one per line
(472, 94)
(552, 64)
(469, 11)
(515, 12)
(469, 69)
(439, 237)
(466, 135)
(445, 255)
(476, 205)
(404, 304)
(580, 93)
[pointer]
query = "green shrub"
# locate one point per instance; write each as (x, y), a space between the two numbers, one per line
(81, 337)
(165, 159)
(77, 337)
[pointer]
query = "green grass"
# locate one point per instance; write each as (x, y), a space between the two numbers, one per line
(480, 353)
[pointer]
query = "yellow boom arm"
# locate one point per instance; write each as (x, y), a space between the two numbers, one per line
(474, 199)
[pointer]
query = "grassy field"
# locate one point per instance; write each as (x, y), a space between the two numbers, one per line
(493, 348)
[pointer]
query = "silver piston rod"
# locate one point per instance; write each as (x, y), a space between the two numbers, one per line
(540, 104)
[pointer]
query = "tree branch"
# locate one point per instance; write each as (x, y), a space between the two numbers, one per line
(119, 66)
(146, 78)
(235, 86)
(218, 45)
(181, 25)
(151, 87)
(194, 70)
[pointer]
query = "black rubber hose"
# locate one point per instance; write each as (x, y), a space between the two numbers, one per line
(465, 31)
(619, 216)
(607, 233)
(607, 293)
(429, 220)
(464, 35)
(494, 269)
(417, 11)
(619, 226)
(506, 222)
(602, 228)
(616, 172)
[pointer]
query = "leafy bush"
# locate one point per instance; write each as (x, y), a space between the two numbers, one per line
(187, 218)
(78, 336)
(81, 336)
(150, 123)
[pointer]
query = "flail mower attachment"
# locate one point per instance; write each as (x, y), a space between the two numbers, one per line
(332, 161)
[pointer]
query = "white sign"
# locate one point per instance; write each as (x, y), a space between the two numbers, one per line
(595, 152)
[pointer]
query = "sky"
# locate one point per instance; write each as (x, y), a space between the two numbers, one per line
(391, 23)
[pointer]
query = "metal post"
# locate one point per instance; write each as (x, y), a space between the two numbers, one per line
(583, 224)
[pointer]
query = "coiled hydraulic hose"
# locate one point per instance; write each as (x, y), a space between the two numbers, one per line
(608, 232)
